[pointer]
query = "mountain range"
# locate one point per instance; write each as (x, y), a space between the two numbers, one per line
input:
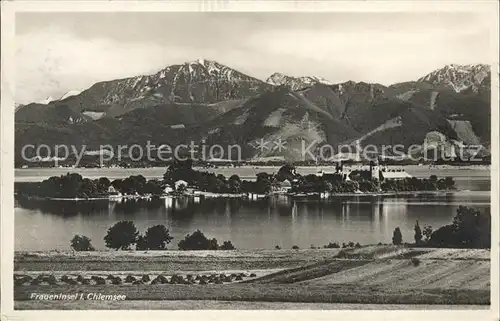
(204, 100)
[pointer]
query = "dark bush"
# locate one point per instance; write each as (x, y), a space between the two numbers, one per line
(81, 243)
(332, 245)
(161, 279)
(177, 279)
(252, 275)
(130, 279)
(100, 281)
(295, 247)
(145, 278)
(227, 245)
(397, 237)
(277, 247)
(415, 261)
(357, 245)
(117, 280)
(197, 241)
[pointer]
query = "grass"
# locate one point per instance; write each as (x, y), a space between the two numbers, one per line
(171, 261)
(310, 276)
(226, 305)
(309, 272)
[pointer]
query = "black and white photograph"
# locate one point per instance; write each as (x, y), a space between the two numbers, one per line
(250, 159)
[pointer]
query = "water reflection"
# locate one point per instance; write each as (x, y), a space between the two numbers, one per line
(248, 224)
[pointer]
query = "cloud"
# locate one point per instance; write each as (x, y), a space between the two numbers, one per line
(53, 61)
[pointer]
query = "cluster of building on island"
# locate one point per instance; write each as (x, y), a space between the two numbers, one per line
(373, 171)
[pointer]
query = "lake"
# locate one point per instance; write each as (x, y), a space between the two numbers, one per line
(41, 226)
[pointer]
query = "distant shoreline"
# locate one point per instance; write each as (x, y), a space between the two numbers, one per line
(471, 172)
(242, 196)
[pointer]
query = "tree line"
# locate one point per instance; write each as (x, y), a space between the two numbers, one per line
(470, 228)
(124, 235)
(73, 185)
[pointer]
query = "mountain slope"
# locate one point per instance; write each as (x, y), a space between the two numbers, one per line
(460, 77)
(206, 101)
(201, 82)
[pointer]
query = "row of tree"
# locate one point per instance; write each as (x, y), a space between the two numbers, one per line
(470, 228)
(124, 234)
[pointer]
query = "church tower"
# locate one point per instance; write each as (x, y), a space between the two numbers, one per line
(374, 170)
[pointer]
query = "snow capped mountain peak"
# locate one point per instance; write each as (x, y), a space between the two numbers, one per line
(294, 83)
(200, 80)
(69, 94)
(460, 77)
(45, 101)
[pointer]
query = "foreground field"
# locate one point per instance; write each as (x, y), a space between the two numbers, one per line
(230, 305)
(323, 278)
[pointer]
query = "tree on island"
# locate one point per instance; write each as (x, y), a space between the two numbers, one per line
(449, 182)
(287, 171)
(418, 234)
(397, 237)
(81, 243)
(197, 241)
(180, 169)
(121, 235)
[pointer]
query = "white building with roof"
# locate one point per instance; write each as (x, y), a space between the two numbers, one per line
(396, 174)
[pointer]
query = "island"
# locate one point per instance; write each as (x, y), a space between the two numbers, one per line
(181, 179)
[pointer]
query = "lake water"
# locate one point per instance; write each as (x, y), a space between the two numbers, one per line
(249, 224)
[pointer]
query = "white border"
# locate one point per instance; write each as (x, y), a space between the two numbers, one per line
(7, 150)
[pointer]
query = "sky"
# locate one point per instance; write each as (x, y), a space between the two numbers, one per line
(60, 52)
